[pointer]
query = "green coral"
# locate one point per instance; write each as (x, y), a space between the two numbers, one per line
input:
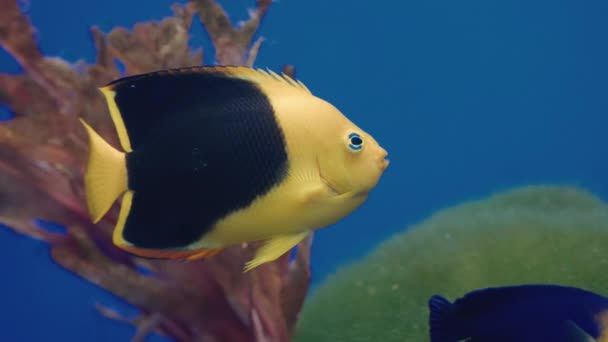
(537, 234)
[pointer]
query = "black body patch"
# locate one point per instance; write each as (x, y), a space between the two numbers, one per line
(204, 145)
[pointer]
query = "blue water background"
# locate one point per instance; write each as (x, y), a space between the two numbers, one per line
(468, 97)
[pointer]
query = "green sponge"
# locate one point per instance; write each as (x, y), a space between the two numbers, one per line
(536, 234)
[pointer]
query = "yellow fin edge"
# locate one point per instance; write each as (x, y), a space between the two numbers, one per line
(125, 208)
(119, 124)
(119, 241)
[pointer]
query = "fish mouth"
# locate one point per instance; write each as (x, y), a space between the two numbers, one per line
(384, 164)
(384, 161)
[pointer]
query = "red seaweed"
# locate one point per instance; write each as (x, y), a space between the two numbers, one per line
(42, 157)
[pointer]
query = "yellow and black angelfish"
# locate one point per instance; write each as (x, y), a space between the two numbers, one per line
(217, 156)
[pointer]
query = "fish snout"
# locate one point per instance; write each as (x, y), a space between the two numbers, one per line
(383, 161)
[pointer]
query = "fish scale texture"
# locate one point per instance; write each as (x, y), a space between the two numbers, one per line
(536, 234)
(204, 146)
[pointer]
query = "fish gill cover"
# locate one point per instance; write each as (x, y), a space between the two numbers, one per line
(42, 157)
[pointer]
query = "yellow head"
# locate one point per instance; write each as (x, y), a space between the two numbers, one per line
(326, 150)
(350, 160)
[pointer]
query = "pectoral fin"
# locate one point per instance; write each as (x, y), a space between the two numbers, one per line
(274, 248)
(576, 333)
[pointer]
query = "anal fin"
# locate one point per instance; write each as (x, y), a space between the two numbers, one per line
(203, 253)
(189, 255)
(274, 248)
(128, 204)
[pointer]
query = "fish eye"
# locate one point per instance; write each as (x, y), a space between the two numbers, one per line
(355, 142)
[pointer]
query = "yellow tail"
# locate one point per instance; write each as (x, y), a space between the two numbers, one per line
(106, 175)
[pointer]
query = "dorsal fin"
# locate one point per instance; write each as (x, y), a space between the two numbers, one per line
(259, 76)
(263, 76)
(142, 105)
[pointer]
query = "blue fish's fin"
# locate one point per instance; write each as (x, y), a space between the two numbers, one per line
(440, 320)
(574, 333)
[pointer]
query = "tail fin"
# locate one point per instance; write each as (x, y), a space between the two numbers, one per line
(440, 324)
(106, 175)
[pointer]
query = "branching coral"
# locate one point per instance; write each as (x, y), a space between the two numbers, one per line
(42, 155)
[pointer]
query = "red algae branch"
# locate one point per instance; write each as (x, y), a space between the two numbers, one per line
(42, 156)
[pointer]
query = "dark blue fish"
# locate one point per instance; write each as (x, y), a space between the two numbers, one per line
(519, 313)
(574, 333)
